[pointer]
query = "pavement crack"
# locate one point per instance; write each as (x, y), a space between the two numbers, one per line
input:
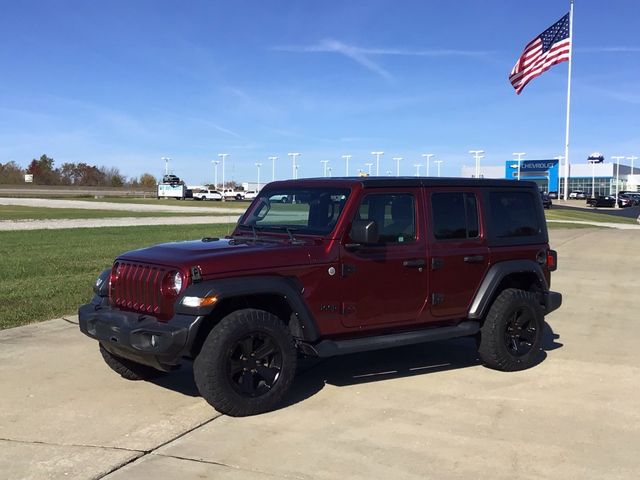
(79, 445)
(69, 321)
(221, 464)
(144, 453)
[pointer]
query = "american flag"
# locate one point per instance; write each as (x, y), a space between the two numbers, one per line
(550, 47)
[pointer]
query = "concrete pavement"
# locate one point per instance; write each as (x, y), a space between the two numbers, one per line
(428, 411)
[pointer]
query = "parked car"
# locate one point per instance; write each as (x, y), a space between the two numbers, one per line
(626, 201)
(546, 200)
(633, 196)
(250, 194)
(577, 194)
(231, 194)
(553, 195)
(207, 195)
(606, 201)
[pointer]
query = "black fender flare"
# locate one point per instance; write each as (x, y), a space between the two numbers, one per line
(226, 288)
(495, 275)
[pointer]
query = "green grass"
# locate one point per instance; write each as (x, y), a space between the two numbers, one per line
(16, 212)
(585, 215)
(561, 225)
(48, 273)
(177, 203)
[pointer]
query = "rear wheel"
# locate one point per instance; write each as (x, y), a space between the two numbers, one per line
(247, 363)
(127, 368)
(512, 332)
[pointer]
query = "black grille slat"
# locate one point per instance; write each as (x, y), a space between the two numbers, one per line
(138, 288)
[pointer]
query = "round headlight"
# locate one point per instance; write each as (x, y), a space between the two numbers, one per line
(177, 283)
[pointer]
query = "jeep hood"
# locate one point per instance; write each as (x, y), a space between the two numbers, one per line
(225, 255)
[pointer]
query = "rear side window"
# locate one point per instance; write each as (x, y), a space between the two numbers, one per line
(514, 214)
(455, 215)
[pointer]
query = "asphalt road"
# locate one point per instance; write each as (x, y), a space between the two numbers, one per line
(428, 411)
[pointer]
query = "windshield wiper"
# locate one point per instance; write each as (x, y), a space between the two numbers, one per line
(289, 231)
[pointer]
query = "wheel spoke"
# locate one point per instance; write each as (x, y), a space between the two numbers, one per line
(264, 350)
(246, 346)
(269, 374)
(246, 383)
(235, 366)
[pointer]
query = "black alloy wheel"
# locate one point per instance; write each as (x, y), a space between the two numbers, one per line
(254, 364)
(520, 333)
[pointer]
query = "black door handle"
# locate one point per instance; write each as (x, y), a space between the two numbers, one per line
(474, 259)
(416, 263)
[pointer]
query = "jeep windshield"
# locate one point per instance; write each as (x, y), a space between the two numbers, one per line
(310, 210)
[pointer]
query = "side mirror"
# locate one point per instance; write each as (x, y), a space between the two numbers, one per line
(363, 232)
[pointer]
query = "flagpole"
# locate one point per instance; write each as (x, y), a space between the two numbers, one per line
(566, 143)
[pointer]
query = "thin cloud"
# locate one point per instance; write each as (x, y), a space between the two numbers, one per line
(608, 50)
(361, 55)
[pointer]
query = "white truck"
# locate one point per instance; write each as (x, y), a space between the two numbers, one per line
(231, 194)
(207, 195)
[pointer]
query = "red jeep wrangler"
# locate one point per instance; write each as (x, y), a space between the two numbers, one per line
(343, 266)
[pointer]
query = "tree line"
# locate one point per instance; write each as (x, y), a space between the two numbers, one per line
(78, 174)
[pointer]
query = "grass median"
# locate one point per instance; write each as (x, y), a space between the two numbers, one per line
(48, 273)
(16, 212)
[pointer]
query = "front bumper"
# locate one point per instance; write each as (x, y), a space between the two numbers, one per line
(552, 301)
(138, 337)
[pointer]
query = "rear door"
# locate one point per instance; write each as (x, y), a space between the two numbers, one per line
(459, 255)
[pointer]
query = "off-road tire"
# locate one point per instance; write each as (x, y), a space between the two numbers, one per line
(127, 368)
(499, 346)
(216, 371)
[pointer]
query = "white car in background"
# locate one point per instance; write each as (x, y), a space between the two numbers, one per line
(231, 194)
(250, 194)
(207, 195)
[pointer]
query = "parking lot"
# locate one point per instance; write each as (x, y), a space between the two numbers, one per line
(428, 411)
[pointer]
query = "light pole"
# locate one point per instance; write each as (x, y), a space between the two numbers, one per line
(215, 177)
(346, 158)
(617, 159)
(397, 159)
(369, 165)
(519, 155)
(329, 171)
(378, 155)
(273, 167)
(417, 165)
(560, 158)
(478, 155)
(593, 179)
(428, 157)
(166, 164)
(223, 156)
(294, 165)
(324, 164)
(632, 160)
(438, 162)
(258, 165)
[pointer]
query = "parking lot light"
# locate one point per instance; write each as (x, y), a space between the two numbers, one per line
(519, 155)
(617, 159)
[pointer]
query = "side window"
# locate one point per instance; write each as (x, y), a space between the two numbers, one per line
(455, 215)
(514, 214)
(393, 213)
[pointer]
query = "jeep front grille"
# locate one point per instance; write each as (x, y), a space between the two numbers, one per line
(137, 287)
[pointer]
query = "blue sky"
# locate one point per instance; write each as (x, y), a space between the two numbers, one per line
(124, 83)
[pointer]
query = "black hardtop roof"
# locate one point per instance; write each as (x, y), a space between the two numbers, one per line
(382, 182)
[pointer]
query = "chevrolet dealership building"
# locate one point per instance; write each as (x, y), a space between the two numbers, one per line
(549, 176)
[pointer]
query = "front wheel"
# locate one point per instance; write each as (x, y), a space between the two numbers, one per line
(247, 363)
(511, 335)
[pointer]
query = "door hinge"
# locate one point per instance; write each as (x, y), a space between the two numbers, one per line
(347, 269)
(437, 298)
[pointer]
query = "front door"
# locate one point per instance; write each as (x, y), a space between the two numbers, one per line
(386, 283)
